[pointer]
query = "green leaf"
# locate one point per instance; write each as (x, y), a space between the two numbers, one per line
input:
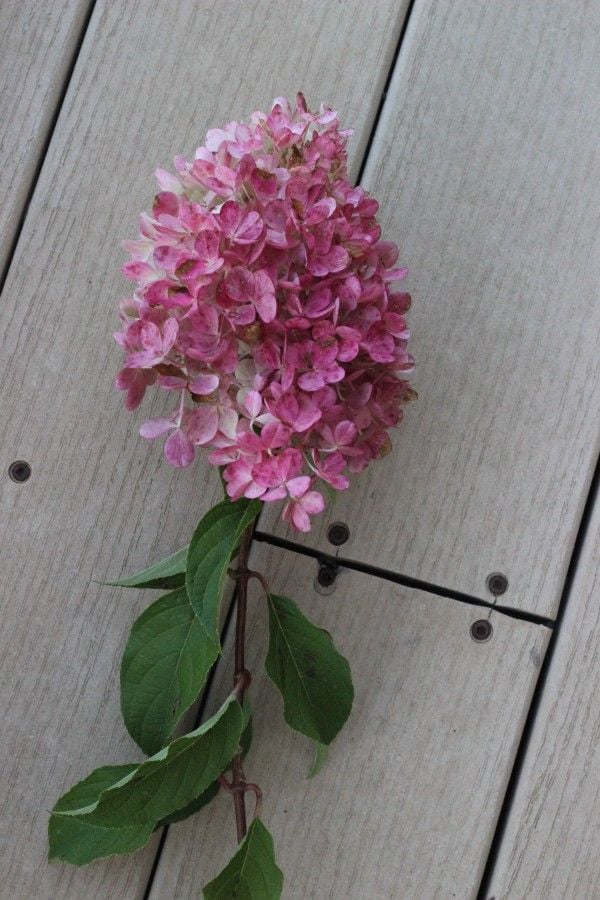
(213, 789)
(74, 840)
(211, 548)
(314, 679)
(321, 754)
(162, 671)
(167, 574)
(167, 781)
(195, 806)
(116, 808)
(252, 874)
(175, 775)
(85, 793)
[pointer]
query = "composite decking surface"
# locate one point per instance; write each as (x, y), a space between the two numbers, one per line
(467, 769)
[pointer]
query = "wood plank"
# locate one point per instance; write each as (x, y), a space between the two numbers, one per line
(36, 49)
(407, 802)
(486, 160)
(150, 79)
(551, 846)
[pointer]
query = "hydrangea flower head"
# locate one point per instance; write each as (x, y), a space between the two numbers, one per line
(265, 302)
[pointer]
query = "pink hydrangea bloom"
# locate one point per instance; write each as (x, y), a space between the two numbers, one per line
(264, 299)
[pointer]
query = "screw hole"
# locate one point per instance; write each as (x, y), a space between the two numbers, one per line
(481, 630)
(497, 583)
(325, 580)
(19, 471)
(338, 533)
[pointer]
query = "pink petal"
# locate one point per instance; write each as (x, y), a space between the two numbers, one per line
(249, 229)
(274, 435)
(170, 331)
(253, 491)
(167, 257)
(172, 382)
(321, 210)
(223, 456)
(307, 416)
(139, 271)
(239, 284)
(202, 425)
(388, 253)
(395, 274)
(313, 502)
(167, 181)
(228, 420)
(337, 259)
(125, 379)
(155, 427)
(244, 314)
(238, 477)
(380, 346)
(345, 432)
(267, 307)
(277, 493)
(215, 137)
(299, 517)
(297, 487)
(230, 216)
(311, 381)
(319, 304)
(253, 403)
(226, 176)
(179, 451)
(204, 384)
(143, 359)
(150, 336)
(333, 373)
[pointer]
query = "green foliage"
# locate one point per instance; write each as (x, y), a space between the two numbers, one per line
(88, 821)
(167, 574)
(170, 651)
(320, 758)
(214, 542)
(191, 808)
(314, 679)
(73, 839)
(251, 873)
(163, 670)
(174, 643)
(212, 790)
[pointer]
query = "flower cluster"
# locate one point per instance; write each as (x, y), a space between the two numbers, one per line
(264, 302)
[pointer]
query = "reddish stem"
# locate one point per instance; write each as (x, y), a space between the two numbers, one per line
(241, 677)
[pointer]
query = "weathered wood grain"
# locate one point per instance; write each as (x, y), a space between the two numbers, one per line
(37, 42)
(407, 802)
(551, 847)
(150, 79)
(487, 163)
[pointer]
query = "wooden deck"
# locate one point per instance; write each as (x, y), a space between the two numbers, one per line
(468, 770)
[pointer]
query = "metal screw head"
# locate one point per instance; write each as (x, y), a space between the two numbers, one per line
(19, 471)
(497, 583)
(481, 630)
(338, 533)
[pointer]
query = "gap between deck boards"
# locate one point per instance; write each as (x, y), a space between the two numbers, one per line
(46, 144)
(405, 580)
(593, 497)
